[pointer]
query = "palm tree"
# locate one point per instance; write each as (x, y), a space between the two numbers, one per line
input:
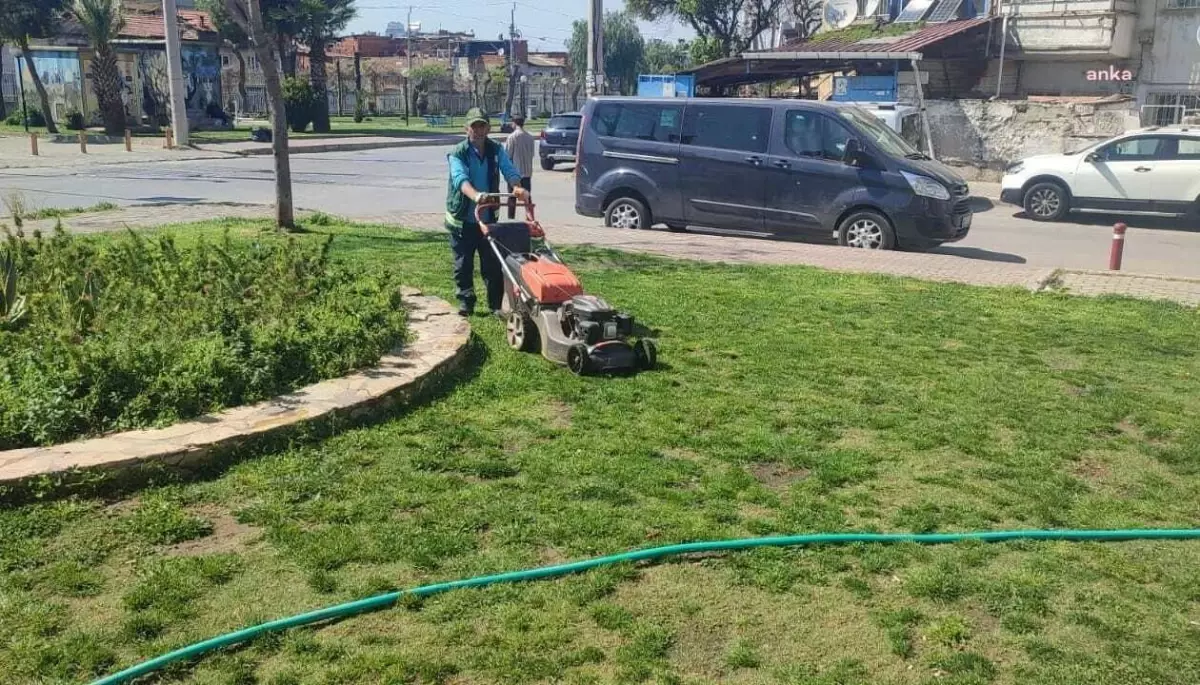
(320, 21)
(102, 21)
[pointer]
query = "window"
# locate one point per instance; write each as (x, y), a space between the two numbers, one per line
(659, 123)
(1189, 148)
(910, 130)
(809, 134)
(567, 123)
(732, 127)
(224, 60)
(1132, 149)
(1183, 4)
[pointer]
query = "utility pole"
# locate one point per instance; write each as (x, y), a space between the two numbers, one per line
(408, 53)
(179, 120)
(595, 53)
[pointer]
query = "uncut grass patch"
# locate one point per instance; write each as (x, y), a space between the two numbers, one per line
(790, 400)
(131, 331)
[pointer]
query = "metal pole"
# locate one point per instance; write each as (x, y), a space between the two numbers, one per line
(21, 85)
(179, 121)
(1118, 247)
(595, 54)
(408, 54)
(337, 68)
(921, 107)
(1003, 43)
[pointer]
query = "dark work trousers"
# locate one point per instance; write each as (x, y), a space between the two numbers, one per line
(465, 245)
(527, 184)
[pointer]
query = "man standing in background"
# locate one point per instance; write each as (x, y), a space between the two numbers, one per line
(519, 147)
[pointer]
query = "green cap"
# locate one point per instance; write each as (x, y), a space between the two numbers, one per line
(476, 114)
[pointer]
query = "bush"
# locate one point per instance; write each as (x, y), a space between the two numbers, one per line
(73, 120)
(134, 332)
(299, 99)
(359, 112)
(544, 114)
(35, 118)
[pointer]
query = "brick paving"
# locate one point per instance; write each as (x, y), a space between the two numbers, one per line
(728, 249)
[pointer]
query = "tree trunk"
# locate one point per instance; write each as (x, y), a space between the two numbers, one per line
(287, 55)
(106, 82)
(241, 78)
(284, 215)
(320, 86)
(512, 89)
(40, 87)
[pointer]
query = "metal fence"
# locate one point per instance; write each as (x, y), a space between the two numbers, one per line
(1166, 109)
(385, 94)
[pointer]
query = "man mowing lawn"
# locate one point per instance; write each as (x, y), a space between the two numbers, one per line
(476, 163)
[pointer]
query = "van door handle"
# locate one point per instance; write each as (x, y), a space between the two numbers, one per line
(756, 161)
(783, 164)
(1143, 169)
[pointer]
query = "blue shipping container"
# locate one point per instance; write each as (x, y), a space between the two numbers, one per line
(666, 86)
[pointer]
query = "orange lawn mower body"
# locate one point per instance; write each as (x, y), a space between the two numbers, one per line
(546, 308)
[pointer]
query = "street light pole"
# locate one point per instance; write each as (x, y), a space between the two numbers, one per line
(179, 120)
(408, 53)
(595, 53)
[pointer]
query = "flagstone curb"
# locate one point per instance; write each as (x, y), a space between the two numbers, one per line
(438, 346)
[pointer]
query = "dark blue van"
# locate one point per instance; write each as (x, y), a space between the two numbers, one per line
(794, 168)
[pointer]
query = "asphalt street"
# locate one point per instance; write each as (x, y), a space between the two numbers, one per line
(378, 182)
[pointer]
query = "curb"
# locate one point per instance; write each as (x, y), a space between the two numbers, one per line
(439, 347)
(432, 141)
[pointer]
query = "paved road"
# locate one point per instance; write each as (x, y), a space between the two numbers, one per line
(413, 180)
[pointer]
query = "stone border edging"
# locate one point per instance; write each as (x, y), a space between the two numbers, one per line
(438, 343)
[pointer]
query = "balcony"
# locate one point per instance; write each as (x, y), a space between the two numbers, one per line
(1072, 28)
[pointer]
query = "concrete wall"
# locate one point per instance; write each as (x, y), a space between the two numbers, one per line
(1175, 54)
(1098, 27)
(982, 137)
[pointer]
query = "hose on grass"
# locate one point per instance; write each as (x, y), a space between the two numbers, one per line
(389, 599)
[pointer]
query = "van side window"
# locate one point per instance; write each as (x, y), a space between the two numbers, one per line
(810, 134)
(727, 127)
(657, 123)
(833, 139)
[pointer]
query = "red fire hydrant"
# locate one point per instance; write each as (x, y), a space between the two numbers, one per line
(1118, 247)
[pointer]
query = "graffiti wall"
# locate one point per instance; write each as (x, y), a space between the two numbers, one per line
(61, 75)
(201, 76)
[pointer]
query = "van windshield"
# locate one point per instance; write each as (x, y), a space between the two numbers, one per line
(875, 130)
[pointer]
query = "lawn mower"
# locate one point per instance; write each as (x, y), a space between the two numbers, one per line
(546, 309)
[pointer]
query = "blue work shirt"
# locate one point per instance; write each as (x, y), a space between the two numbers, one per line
(477, 174)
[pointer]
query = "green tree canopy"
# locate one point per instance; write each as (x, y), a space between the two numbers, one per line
(623, 49)
(665, 57)
(725, 27)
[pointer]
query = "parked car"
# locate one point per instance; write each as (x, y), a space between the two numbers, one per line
(796, 168)
(1150, 170)
(559, 139)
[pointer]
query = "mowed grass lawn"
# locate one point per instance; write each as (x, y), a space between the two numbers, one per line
(790, 400)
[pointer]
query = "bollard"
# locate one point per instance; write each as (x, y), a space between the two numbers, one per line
(128, 140)
(83, 142)
(1118, 247)
(33, 144)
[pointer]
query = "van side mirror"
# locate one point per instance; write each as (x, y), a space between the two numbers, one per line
(853, 154)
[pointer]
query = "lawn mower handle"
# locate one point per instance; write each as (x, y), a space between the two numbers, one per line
(498, 200)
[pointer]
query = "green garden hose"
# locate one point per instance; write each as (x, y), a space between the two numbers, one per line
(389, 599)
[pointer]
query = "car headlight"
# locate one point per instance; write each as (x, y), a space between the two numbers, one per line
(1015, 169)
(926, 187)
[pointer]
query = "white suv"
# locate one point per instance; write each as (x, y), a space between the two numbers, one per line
(1151, 170)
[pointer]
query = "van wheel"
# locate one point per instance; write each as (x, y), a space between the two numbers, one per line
(868, 230)
(547, 164)
(1046, 202)
(626, 212)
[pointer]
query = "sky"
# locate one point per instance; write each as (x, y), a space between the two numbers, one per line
(546, 24)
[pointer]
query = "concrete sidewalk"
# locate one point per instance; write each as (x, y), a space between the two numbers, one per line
(712, 248)
(15, 151)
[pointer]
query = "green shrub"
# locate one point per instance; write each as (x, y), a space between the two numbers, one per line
(73, 120)
(299, 100)
(359, 112)
(133, 332)
(15, 117)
